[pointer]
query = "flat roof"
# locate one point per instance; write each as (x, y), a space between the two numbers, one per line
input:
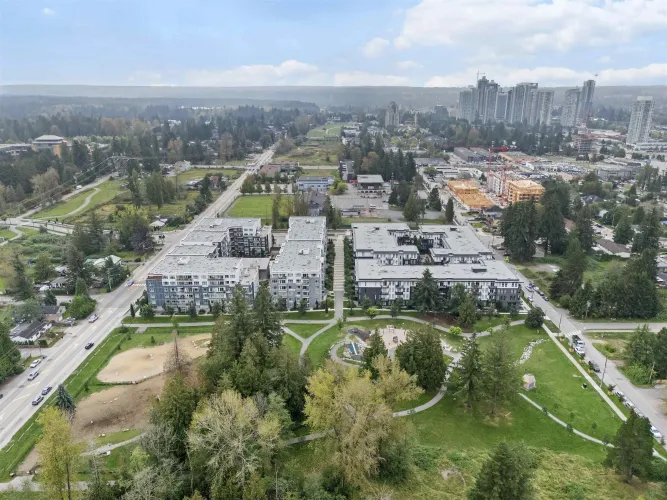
(48, 138)
(458, 240)
(372, 270)
(204, 237)
(192, 250)
(299, 256)
(315, 178)
(370, 179)
(378, 237)
(224, 223)
(307, 229)
(196, 264)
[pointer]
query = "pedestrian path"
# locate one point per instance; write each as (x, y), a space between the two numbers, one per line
(339, 277)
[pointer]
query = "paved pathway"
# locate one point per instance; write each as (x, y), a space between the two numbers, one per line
(339, 277)
(110, 447)
(16, 232)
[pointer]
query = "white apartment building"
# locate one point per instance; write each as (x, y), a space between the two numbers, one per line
(641, 120)
(570, 108)
(390, 244)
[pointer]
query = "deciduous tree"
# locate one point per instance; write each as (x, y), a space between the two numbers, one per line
(58, 454)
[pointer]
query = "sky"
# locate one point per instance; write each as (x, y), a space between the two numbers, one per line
(433, 43)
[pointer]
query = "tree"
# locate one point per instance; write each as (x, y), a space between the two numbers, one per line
(396, 307)
(50, 298)
(175, 407)
(65, 402)
(506, 474)
(519, 230)
(552, 223)
(569, 278)
(134, 186)
(623, 231)
(584, 229)
(275, 208)
(374, 349)
(303, 307)
(660, 353)
(434, 200)
(359, 412)
(468, 309)
(421, 355)
(132, 312)
(147, 311)
(371, 312)
(29, 311)
(499, 374)
(648, 237)
(641, 347)
(43, 269)
(58, 454)
(10, 361)
(449, 211)
(81, 288)
(21, 284)
(233, 438)
(534, 318)
(426, 295)
(470, 371)
(633, 448)
(267, 318)
(412, 209)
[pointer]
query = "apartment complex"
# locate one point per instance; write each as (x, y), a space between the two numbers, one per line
(391, 117)
(231, 237)
(466, 108)
(586, 101)
(387, 263)
(468, 193)
(523, 190)
(640, 120)
(298, 270)
(570, 108)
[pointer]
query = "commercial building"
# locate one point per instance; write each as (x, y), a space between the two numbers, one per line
(370, 182)
(466, 108)
(14, 149)
(51, 143)
(346, 168)
(314, 183)
(469, 155)
(391, 117)
(570, 108)
(640, 120)
(586, 102)
(231, 237)
(490, 280)
(615, 172)
(180, 281)
(298, 270)
(523, 190)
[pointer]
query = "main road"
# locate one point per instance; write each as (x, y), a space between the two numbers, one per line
(62, 360)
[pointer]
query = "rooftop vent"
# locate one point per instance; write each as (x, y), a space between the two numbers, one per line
(304, 251)
(183, 260)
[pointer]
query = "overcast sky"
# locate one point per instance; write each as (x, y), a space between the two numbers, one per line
(332, 42)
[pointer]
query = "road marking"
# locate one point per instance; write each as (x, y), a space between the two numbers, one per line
(33, 385)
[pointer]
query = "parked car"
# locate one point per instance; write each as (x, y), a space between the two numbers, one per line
(35, 363)
(629, 404)
(580, 350)
(37, 400)
(594, 366)
(619, 394)
(93, 318)
(129, 283)
(89, 346)
(656, 433)
(46, 390)
(1, 395)
(33, 375)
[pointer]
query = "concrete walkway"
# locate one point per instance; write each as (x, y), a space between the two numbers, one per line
(16, 232)
(339, 277)
(110, 447)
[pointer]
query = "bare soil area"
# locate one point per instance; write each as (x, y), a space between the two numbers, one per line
(136, 365)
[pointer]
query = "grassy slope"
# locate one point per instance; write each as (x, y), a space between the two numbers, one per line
(304, 330)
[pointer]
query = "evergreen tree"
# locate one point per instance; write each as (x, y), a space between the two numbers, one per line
(434, 200)
(584, 229)
(303, 307)
(374, 349)
(22, 285)
(267, 318)
(519, 230)
(633, 448)
(132, 313)
(534, 318)
(623, 231)
(412, 209)
(426, 295)
(507, 474)
(501, 380)
(43, 269)
(569, 278)
(660, 353)
(421, 355)
(468, 309)
(470, 371)
(648, 237)
(65, 402)
(50, 298)
(640, 349)
(552, 223)
(10, 359)
(449, 211)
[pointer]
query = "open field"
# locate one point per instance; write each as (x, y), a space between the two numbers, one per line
(255, 206)
(313, 153)
(292, 343)
(195, 174)
(7, 234)
(107, 191)
(611, 344)
(304, 330)
(329, 130)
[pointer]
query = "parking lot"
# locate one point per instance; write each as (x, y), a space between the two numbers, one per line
(372, 205)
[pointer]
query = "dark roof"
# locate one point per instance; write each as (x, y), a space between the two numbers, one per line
(613, 247)
(26, 330)
(50, 309)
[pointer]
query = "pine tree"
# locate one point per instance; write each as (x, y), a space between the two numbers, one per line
(132, 313)
(412, 208)
(267, 318)
(421, 355)
(449, 211)
(584, 229)
(623, 231)
(552, 223)
(507, 474)
(501, 380)
(569, 278)
(649, 233)
(434, 200)
(468, 309)
(633, 448)
(22, 285)
(426, 295)
(65, 402)
(10, 359)
(374, 349)
(470, 371)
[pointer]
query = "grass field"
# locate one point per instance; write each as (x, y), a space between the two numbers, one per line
(313, 152)
(304, 330)
(292, 343)
(611, 344)
(107, 191)
(167, 319)
(316, 315)
(254, 206)
(328, 130)
(195, 174)
(7, 234)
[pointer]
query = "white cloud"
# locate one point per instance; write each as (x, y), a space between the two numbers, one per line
(48, 12)
(529, 26)
(408, 65)
(605, 59)
(365, 79)
(548, 76)
(290, 72)
(375, 47)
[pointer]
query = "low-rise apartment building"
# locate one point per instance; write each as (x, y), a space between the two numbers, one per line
(452, 244)
(390, 244)
(523, 190)
(232, 237)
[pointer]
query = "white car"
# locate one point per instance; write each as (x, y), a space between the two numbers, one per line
(629, 404)
(33, 375)
(35, 363)
(656, 433)
(580, 350)
(93, 318)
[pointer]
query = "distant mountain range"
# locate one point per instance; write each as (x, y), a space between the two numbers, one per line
(408, 97)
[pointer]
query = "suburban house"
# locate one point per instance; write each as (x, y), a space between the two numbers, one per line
(611, 248)
(29, 333)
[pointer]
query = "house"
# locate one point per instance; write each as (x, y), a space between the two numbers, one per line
(29, 333)
(101, 262)
(59, 283)
(590, 199)
(611, 248)
(52, 313)
(158, 224)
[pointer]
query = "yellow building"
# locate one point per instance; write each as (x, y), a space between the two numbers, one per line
(523, 190)
(51, 142)
(467, 191)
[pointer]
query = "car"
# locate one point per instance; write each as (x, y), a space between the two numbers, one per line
(93, 318)
(619, 394)
(89, 346)
(546, 299)
(46, 390)
(594, 366)
(656, 433)
(33, 375)
(69, 321)
(1, 395)
(629, 404)
(129, 283)
(37, 400)
(35, 363)
(580, 350)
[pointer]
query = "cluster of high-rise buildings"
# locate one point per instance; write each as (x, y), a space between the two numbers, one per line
(523, 103)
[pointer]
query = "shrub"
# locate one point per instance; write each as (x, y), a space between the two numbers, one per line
(81, 306)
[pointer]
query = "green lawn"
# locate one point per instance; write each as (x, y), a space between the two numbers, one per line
(7, 234)
(552, 326)
(318, 350)
(254, 206)
(167, 319)
(304, 330)
(313, 152)
(611, 344)
(292, 343)
(315, 315)
(107, 191)
(195, 174)
(117, 437)
(329, 130)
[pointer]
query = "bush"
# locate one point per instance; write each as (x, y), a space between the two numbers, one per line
(395, 460)
(81, 307)
(638, 374)
(534, 318)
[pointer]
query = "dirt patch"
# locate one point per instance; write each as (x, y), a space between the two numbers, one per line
(141, 363)
(114, 409)
(29, 463)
